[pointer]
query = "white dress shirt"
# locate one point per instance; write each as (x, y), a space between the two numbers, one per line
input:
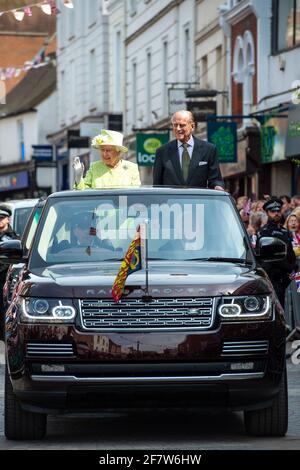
(190, 148)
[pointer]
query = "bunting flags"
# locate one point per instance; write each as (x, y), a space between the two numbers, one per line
(49, 7)
(27, 11)
(13, 72)
(131, 263)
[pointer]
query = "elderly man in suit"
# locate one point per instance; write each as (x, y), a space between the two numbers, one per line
(187, 161)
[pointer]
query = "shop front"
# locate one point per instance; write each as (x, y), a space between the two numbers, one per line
(242, 177)
(292, 151)
(17, 181)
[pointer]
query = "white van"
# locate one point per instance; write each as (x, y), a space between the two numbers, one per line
(20, 209)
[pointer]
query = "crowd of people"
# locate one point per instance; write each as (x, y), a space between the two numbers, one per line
(277, 217)
(255, 217)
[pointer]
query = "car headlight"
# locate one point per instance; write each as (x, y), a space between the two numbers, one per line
(251, 307)
(40, 309)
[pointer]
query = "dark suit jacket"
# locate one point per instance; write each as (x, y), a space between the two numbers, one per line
(204, 168)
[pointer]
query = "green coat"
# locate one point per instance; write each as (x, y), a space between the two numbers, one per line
(100, 176)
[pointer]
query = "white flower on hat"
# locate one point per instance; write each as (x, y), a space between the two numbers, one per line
(98, 140)
(108, 137)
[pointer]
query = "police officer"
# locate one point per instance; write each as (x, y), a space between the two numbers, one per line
(279, 271)
(6, 233)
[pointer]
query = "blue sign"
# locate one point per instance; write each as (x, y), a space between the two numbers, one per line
(224, 136)
(14, 181)
(42, 153)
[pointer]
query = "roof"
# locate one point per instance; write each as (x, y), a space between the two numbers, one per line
(21, 41)
(15, 51)
(139, 190)
(36, 86)
(17, 203)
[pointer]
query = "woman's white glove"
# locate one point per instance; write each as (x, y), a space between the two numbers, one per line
(78, 170)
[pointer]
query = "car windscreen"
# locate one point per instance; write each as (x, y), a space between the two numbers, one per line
(21, 216)
(99, 229)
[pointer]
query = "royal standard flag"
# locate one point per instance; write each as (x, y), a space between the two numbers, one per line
(131, 263)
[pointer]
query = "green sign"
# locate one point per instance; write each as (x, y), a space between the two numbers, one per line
(146, 146)
(223, 136)
(294, 129)
(268, 134)
(273, 138)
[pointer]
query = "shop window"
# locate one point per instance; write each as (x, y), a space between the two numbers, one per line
(20, 125)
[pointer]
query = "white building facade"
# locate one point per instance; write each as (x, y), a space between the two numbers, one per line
(210, 44)
(90, 64)
(29, 114)
(262, 56)
(160, 53)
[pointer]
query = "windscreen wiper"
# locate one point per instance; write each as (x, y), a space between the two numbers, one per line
(225, 260)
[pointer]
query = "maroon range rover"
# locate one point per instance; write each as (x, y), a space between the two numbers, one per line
(204, 328)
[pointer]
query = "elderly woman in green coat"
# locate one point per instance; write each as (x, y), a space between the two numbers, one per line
(112, 171)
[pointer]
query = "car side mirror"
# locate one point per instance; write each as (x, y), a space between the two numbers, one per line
(11, 251)
(271, 249)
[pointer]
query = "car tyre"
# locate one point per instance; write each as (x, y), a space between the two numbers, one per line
(272, 421)
(20, 424)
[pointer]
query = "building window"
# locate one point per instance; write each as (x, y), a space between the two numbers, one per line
(244, 68)
(92, 78)
(148, 88)
(61, 29)
(134, 93)
(20, 125)
(286, 24)
(132, 7)
(71, 22)
(204, 77)
(72, 78)
(165, 71)
(117, 68)
(187, 54)
(62, 98)
(92, 12)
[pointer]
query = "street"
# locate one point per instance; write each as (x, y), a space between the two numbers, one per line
(163, 430)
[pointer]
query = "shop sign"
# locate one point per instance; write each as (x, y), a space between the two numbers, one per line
(273, 139)
(224, 136)
(202, 109)
(12, 181)
(146, 146)
(42, 153)
(293, 134)
(177, 99)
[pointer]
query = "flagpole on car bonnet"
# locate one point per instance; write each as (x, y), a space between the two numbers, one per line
(144, 240)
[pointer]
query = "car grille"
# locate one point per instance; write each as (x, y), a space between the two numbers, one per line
(49, 349)
(243, 348)
(136, 314)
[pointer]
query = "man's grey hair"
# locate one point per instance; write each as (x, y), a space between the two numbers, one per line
(189, 114)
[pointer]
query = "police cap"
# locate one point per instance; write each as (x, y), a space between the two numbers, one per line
(4, 211)
(273, 204)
